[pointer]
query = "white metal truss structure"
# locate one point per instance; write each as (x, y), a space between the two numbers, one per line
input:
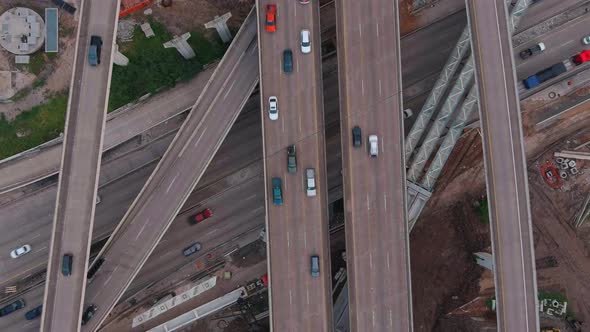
(437, 92)
(463, 82)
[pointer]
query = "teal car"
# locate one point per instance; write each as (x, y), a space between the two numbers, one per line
(277, 191)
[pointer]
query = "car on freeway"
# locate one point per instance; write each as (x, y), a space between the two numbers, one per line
(12, 307)
(34, 313)
(273, 108)
(373, 145)
(288, 61)
(536, 49)
(94, 50)
(277, 191)
(356, 137)
(66, 264)
(88, 313)
(193, 248)
(201, 216)
(582, 57)
(315, 266)
(16, 253)
(291, 159)
(586, 40)
(310, 182)
(305, 41)
(271, 18)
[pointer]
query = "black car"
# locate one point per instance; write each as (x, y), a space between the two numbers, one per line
(356, 137)
(288, 61)
(536, 49)
(88, 314)
(10, 308)
(193, 248)
(66, 264)
(32, 314)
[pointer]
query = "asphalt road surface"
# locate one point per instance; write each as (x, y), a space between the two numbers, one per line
(377, 244)
(298, 228)
(74, 217)
(512, 234)
(177, 174)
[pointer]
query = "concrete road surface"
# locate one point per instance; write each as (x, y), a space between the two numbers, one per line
(377, 243)
(78, 183)
(177, 173)
(297, 229)
(512, 234)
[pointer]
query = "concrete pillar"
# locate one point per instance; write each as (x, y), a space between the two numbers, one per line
(119, 59)
(181, 44)
(220, 24)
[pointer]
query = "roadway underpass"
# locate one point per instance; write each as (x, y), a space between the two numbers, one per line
(177, 173)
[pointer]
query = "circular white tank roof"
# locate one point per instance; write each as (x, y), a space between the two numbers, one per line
(22, 30)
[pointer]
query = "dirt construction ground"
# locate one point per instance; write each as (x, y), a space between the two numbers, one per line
(444, 275)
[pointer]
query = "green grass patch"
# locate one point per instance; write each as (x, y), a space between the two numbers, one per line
(152, 67)
(37, 63)
(37, 126)
(483, 210)
(544, 295)
(206, 50)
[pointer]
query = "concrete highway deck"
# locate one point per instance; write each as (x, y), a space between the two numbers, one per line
(178, 172)
(78, 183)
(377, 233)
(298, 228)
(510, 216)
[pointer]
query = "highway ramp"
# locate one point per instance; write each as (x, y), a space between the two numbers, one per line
(505, 165)
(80, 167)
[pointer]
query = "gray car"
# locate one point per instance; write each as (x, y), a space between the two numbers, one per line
(192, 249)
(315, 266)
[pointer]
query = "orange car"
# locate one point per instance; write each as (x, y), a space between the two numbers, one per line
(271, 18)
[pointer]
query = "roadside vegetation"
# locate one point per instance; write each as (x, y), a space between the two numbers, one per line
(37, 126)
(483, 210)
(153, 67)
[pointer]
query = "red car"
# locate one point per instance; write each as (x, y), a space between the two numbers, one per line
(201, 216)
(582, 57)
(271, 18)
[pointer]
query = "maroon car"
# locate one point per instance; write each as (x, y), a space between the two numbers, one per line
(197, 218)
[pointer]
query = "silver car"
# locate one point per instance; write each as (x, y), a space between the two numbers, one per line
(16, 253)
(305, 41)
(310, 182)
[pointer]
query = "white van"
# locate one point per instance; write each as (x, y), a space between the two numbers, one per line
(310, 176)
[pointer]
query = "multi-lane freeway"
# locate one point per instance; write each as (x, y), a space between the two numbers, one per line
(78, 182)
(33, 223)
(377, 233)
(510, 216)
(298, 228)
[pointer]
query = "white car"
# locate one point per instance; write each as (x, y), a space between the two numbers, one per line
(586, 40)
(16, 253)
(305, 41)
(273, 108)
(373, 145)
(310, 177)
